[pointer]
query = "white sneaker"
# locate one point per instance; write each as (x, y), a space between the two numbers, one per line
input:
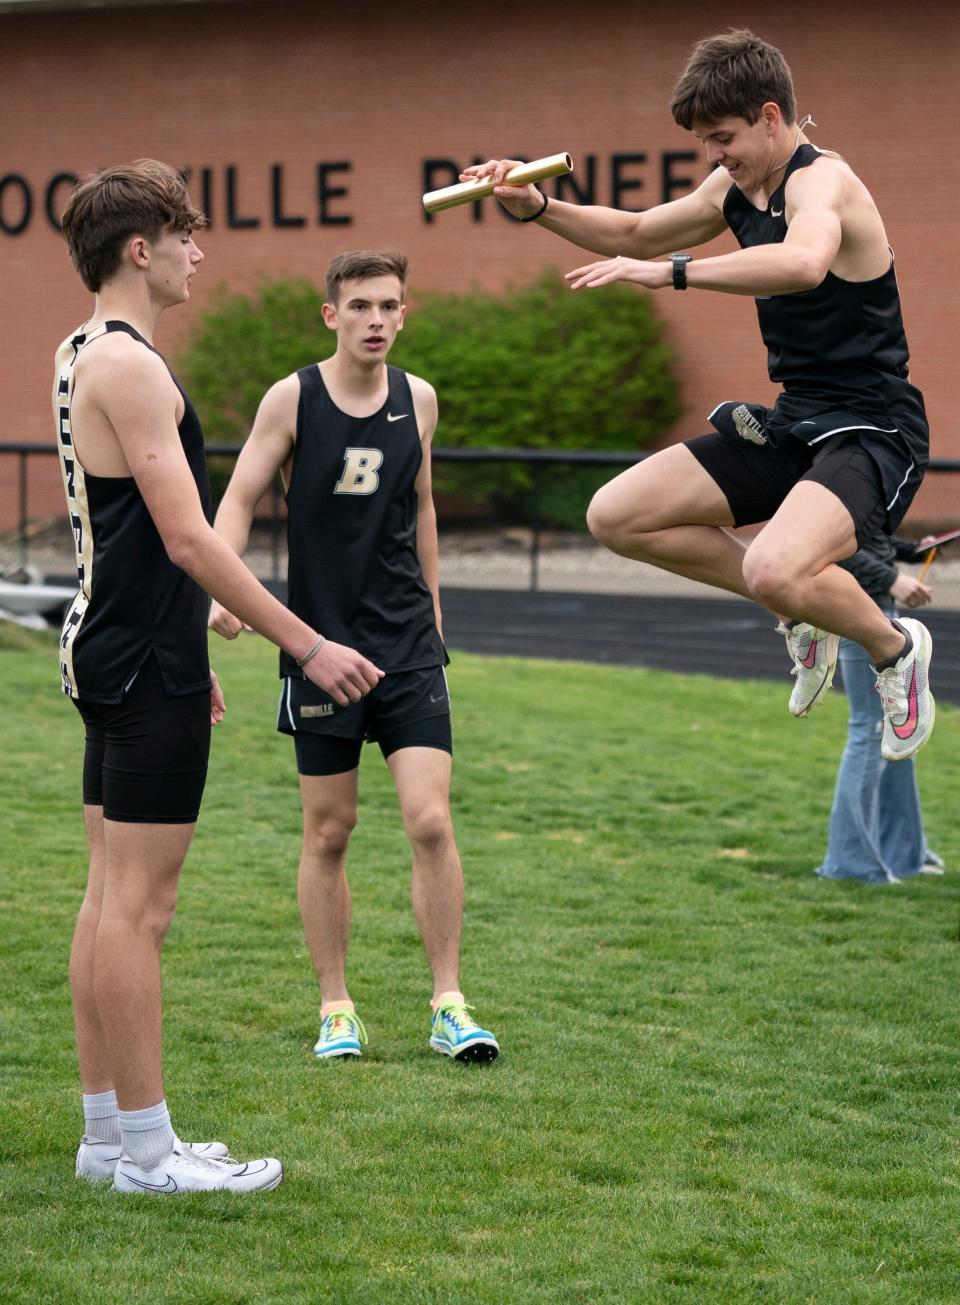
(184, 1171)
(932, 864)
(909, 710)
(814, 654)
(97, 1161)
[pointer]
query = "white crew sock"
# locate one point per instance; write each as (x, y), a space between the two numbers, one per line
(147, 1135)
(100, 1118)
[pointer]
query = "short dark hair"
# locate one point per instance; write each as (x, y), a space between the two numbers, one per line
(361, 265)
(732, 76)
(143, 198)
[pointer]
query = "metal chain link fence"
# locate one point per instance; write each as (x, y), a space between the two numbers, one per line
(510, 519)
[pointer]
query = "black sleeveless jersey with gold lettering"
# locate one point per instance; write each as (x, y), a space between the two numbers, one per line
(839, 347)
(132, 599)
(353, 569)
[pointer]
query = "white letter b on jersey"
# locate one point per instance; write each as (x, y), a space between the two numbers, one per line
(359, 472)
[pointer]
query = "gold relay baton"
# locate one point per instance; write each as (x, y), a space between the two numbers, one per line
(524, 174)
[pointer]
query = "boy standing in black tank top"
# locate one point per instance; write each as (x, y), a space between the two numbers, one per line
(351, 437)
(842, 452)
(133, 658)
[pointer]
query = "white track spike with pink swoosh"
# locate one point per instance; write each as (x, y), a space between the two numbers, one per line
(909, 710)
(814, 654)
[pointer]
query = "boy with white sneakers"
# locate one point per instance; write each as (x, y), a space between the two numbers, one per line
(133, 657)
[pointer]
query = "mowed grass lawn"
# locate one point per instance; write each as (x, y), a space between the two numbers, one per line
(722, 1078)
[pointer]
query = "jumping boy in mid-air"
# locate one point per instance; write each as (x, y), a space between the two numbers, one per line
(841, 453)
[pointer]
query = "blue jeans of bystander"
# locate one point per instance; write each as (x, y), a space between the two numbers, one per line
(876, 826)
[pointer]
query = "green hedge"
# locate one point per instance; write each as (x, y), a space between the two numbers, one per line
(538, 367)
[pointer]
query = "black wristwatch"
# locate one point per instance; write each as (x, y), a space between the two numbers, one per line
(680, 262)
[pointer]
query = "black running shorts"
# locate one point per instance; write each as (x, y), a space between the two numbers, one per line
(758, 454)
(145, 760)
(407, 709)
(757, 478)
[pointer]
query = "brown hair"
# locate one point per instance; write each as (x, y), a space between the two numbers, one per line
(732, 76)
(105, 209)
(361, 265)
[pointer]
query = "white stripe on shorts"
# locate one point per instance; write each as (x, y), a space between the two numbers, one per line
(285, 693)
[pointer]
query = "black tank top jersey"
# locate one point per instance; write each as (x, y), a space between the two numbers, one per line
(841, 345)
(132, 599)
(353, 568)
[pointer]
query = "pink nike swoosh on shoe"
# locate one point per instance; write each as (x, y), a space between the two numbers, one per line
(811, 658)
(910, 724)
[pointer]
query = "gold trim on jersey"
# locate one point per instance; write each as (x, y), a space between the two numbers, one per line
(75, 488)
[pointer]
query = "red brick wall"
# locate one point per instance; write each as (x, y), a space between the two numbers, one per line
(386, 86)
